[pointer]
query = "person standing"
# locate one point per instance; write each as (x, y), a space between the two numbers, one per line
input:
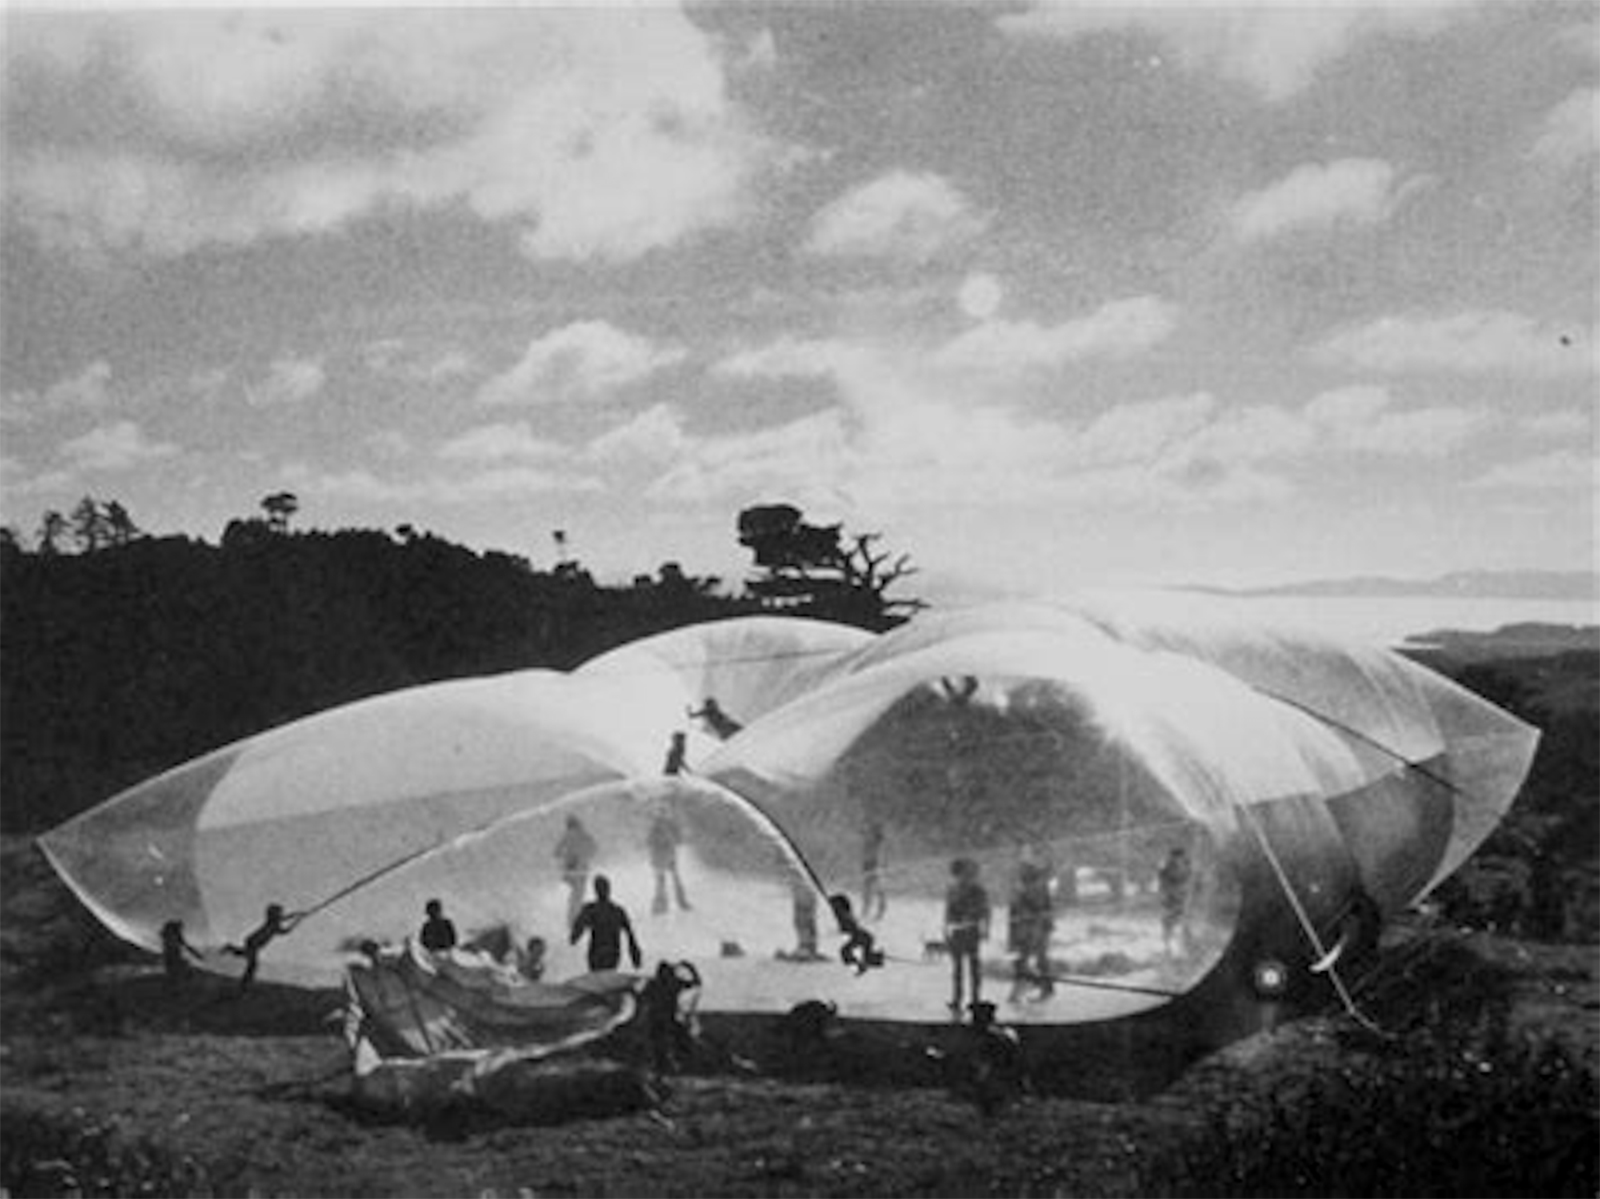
(1031, 924)
(174, 947)
(873, 901)
(677, 752)
(664, 838)
(575, 854)
(607, 925)
(966, 927)
(1173, 880)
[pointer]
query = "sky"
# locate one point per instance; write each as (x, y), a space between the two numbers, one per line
(1049, 296)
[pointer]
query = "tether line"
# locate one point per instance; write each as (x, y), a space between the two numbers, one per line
(1305, 921)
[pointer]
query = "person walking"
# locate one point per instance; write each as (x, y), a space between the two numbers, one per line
(607, 926)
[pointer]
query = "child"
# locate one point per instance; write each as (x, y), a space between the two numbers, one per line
(173, 946)
(966, 926)
(276, 924)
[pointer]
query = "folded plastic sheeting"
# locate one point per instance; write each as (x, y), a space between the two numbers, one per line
(427, 1029)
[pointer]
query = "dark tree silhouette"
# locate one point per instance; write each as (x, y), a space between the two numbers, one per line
(89, 527)
(52, 529)
(279, 507)
(821, 571)
(119, 526)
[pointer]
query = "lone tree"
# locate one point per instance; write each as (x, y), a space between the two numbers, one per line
(279, 507)
(822, 570)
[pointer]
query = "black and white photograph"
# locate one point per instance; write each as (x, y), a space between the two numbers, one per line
(798, 598)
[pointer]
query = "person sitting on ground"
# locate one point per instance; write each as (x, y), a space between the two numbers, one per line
(607, 924)
(533, 959)
(173, 947)
(438, 931)
(995, 1070)
(276, 923)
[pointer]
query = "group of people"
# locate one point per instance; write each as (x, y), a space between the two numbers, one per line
(1031, 924)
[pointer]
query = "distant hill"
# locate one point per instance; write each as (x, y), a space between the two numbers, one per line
(1468, 584)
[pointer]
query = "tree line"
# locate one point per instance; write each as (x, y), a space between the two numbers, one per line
(123, 653)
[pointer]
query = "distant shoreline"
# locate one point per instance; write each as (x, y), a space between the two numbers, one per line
(1462, 585)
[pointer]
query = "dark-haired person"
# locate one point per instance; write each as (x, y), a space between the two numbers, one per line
(607, 924)
(438, 931)
(276, 923)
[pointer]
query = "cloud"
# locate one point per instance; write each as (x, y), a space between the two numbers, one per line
(88, 389)
(395, 359)
(656, 434)
(288, 381)
(1276, 51)
(1568, 426)
(1479, 341)
(786, 358)
(1364, 419)
(495, 483)
(583, 359)
(500, 443)
(1560, 470)
(904, 216)
(1120, 329)
(1357, 190)
(117, 446)
(804, 459)
(1142, 431)
(1567, 133)
(597, 134)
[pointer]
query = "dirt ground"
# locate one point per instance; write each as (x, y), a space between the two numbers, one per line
(256, 1092)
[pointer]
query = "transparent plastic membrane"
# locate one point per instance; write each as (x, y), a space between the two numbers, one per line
(1064, 752)
(1014, 776)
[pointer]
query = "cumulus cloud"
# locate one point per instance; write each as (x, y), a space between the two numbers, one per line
(1560, 470)
(116, 446)
(1568, 426)
(395, 358)
(786, 358)
(1357, 190)
(499, 443)
(803, 458)
(903, 215)
(1478, 341)
(90, 388)
(597, 134)
(1365, 419)
(499, 482)
(288, 381)
(1119, 329)
(1276, 51)
(656, 434)
(1566, 135)
(583, 359)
